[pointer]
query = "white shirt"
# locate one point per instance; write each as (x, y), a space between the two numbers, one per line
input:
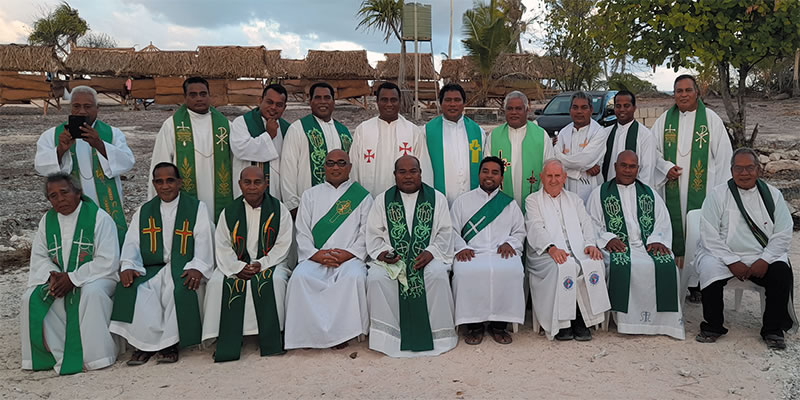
(263, 148)
(456, 158)
(507, 227)
(645, 150)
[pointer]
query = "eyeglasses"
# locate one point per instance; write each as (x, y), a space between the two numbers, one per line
(739, 169)
(340, 163)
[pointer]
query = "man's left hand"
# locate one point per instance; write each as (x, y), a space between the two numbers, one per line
(506, 251)
(657, 249)
(593, 171)
(341, 256)
(60, 284)
(423, 259)
(758, 269)
(91, 136)
(593, 253)
(193, 277)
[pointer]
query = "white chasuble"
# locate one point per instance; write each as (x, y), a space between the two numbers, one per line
(247, 150)
(579, 150)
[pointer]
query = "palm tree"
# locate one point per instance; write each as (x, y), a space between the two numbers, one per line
(487, 35)
(385, 16)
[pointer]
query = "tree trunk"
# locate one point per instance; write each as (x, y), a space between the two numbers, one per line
(796, 89)
(735, 126)
(450, 41)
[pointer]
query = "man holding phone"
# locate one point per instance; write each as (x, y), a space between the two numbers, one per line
(93, 152)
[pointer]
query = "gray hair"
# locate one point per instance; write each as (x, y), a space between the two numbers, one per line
(62, 177)
(85, 90)
(515, 95)
(553, 161)
(580, 95)
(748, 151)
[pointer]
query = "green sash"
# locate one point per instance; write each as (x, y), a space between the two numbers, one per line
(485, 215)
(318, 149)
(255, 126)
(630, 144)
(619, 279)
(698, 168)
(341, 209)
(105, 187)
(433, 138)
(184, 156)
(769, 203)
(40, 301)
(532, 151)
(151, 248)
(415, 325)
(234, 293)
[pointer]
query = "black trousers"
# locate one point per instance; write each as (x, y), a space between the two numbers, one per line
(778, 284)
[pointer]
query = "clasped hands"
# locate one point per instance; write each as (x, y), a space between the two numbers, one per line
(421, 261)
(742, 272)
(332, 258)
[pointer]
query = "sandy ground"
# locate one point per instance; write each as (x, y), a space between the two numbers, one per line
(612, 365)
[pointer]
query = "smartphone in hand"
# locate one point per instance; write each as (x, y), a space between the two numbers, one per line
(74, 125)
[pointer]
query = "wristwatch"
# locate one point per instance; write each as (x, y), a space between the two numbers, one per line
(547, 249)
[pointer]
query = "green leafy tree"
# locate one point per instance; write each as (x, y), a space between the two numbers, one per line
(570, 40)
(733, 35)
(385, 16)
(630, 82)
(487, 34)
(58, 27)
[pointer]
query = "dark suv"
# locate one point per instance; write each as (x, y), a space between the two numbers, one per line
(555, 114)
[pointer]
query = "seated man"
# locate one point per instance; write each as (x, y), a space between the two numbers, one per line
(245, 295)
(563, 265)
(409, 240)
(326, 300)
(65, 310)
(642, 279)
(156, 304)
(489, 230)
(746, 232)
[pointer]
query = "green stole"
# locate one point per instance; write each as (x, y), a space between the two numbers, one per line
(106, 188)
(619, 279)
(415, 324)
(434, 140)
(338, 213)
(231, 321)
(698, 168)
(256, 127)
(769, 203)
(532, 150)
(630, 144)
(485, 215)
(318, 149)
(184, 156)
(151, 248)
(40, 301)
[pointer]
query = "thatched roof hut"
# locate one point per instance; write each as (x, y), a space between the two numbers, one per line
(237, 61)
(292, 69)
(98, 61)
(161, 63)
(351, 64)
(19, 57)
(508, 66)
(390, 69)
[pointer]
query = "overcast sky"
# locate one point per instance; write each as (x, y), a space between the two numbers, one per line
(294, 26)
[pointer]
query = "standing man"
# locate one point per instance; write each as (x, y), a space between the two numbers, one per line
(409, 238)
(326, 301)
(96, 159)
(307, 144)
(489, 230)
(65, 310)
(580, 147)
(168, 253)
(629, 134)
(693, 153)
(250, 145)
(378, 142)
(522, 145)
(195, 139)
(455, 145)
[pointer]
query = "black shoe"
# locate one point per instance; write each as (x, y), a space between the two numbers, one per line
(707, 337)
(775, 342)
(565, 334)
(695, 296)
(582, 333)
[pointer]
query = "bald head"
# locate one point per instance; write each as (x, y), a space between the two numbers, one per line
(405, 160)
(337, 154)
(626, 167)
(253, 184)
(337, 167)
(408, 174)
(628, 156)
(251, 171)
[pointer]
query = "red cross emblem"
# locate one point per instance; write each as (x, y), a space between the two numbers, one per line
(405, 148)
(369, 156)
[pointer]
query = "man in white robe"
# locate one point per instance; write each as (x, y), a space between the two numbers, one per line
(642, 141)
(56, 146)
(650, 297)
(256, 261)
(250, 145)
(145, 309)
(455, 145)
(71, 281)
(580, 147)
(564, 267)
(379, 141)
(326, 300)
(489, 231)
(681, 136)
(421, 322)
(199, 148)
(746, 232)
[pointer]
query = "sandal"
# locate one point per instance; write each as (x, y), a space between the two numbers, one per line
(775, 342)
(501, 336)
(474, 336)
(140, 357)
(707, 337)
(168, 355)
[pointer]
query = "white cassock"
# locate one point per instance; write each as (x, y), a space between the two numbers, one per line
(119, 160)
(96, 279)
(328, 306)
(642, 316)
(488, 287)
(645, 150)
(579, 150)
(377, 144)
(555, 288)
(203, 140)
(296, 163)
(456, 158)
(228, 265)
(248, 150)
(516, 136)
(383, 292)
(155, 324)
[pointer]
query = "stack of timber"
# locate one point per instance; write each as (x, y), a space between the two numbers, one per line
(17, 88)
(144, 88)
(169, 90)
(102, 84)
(244, 92)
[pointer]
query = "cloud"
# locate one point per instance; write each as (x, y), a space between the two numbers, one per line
(267, 33)
(12, 30)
